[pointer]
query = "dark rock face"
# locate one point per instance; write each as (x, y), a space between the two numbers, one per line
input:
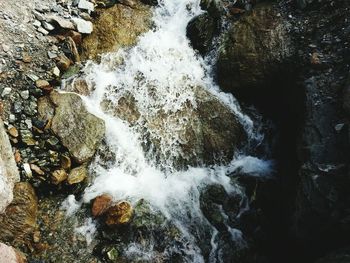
(201, 31)
(255, 49)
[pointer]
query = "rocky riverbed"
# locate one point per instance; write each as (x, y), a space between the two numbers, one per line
(93, 90)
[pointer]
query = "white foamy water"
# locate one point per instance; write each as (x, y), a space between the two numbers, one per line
(160, 73)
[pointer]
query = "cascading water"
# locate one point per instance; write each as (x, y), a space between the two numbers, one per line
(160, 74)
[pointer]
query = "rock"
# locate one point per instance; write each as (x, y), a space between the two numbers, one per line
(80, 86)
(77, 175)
(42, 84)
(79, 131)
(27, 170)
(86, 5)
(43, 31)
(256, 49)
(47, 26)
(6, 92)
(8, 169)
(119, 214)
(66, 162)
(210, 134)
(59, 176)
(36, 169)
(10, 255)
(25, 94)
(61, 22)
(201, 32)
(19, 220)
(76, 36)
(63, 62)
(83, 26)
(117, 27)
(101, 205)
(56, 71)
(13, 131)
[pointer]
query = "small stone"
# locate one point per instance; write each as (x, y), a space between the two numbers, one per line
(51, 55)
(36, 23)
(77, 175)
(27, 170)
(6, 92)
(5, 48)
(63, 62)
(12, 118)
(33, 77)
(53, 141)
(13, 132)
(42, 84)
(101, 205)
(66, 162)
(86, 5)
(47, 26)
(18, 157)
(38, 16)
(36, 236)
(315, 60)
(29, 123)
(26, 58)
(59, 176)
(83, 26)
(36, 169)
(339, 127)
(119, 214)
(113, 254)
(25, 94)
(43, 31)
(63, 23)
(56, 71)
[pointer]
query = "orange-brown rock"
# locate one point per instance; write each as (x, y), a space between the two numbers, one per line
(59, 176)
(101, 205)
(119, 214)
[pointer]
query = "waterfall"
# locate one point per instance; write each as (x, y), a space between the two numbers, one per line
(160, 74)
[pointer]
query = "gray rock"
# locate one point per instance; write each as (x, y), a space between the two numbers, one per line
(86, 5)
(80, 131)
(83, 26)
(63, 23)
(47, 26)
(6, 92)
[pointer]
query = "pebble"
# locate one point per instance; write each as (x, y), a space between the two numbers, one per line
(47, 26)
(6, 92)
(51, 55)
(58, 176)
(27, 170)
(37, 23)
(56, 71)
(43, 31)
(25, 94)
(36, 169)
(38, 16)
(29, 123)
(13, 131)
(63, 23)
(42, 84)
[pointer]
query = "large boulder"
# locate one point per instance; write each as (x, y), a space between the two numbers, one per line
(8, 169)
(254, 51)
(19, 220)
(80, 131)
(117, 27)
(209, 133)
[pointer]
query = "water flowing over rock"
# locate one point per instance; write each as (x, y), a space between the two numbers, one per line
(19, 220)
(8, 169)
(256, 49)
(118, 26)
(79, 131)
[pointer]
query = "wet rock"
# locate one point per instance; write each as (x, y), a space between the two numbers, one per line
(59, 176)
(201, 32)
(19, 220)
(119, 214)
(79, 131)
(10, 255)
(255, 50)
(118, 26)
(8, 169)
(80, 86)
(101, 204)
(77, 175)
(83, 26)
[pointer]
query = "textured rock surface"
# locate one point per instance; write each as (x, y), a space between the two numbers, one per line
(79, 131)
(19, 220)
(117, 27)
(255, 48)
(8, 169)
(10, 255)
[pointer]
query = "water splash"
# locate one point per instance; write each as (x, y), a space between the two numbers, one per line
(160, 74)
